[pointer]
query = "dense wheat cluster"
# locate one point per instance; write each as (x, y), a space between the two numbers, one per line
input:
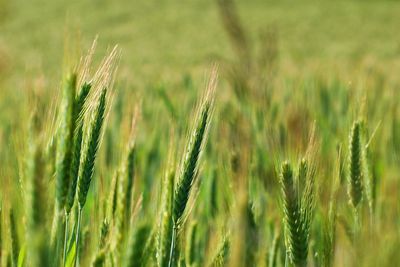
(250, 165)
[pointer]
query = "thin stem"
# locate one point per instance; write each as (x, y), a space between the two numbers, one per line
(78, 230)
(65, 238)
(171, 252)
(357, 224)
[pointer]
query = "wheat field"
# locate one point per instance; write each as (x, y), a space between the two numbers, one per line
(210, 133)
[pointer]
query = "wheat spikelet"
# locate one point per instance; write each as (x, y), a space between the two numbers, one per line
(125, 188)
(65, 140)
(86, 168)
(113, 198)
(355, 165)
(90, 150)
(298, 207)
(77, 145)
(196, 142)
(166, 223)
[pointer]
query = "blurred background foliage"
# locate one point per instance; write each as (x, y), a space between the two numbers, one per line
(284, 65)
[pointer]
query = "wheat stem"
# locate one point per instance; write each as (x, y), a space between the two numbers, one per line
(78, 231)
(65, 238)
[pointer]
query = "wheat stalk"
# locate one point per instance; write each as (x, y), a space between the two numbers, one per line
(189, 167)
(88, 159)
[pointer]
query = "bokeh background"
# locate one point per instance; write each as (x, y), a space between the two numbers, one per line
(284, 66)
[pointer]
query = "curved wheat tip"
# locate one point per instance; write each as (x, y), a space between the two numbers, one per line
(103, 78)
(83, 68)
(194, 147)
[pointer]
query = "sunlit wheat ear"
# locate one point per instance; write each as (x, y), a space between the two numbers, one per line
(194, 148)
(308, 194)
(355, 188)
(77, 145)
(86, 168)
(65, 140)
(136, 245)
(90, 150)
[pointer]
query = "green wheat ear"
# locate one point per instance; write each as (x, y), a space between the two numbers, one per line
(189, 170)
(129, 176)
(298, 208)
(125, 189)
(355, 176)
(194, 147)
(90, 152)
(77, 144)
(65, 140)
(35, 202)
(166, 224)
(113, 197)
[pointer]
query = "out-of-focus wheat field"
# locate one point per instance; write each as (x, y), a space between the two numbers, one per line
(232, 133)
